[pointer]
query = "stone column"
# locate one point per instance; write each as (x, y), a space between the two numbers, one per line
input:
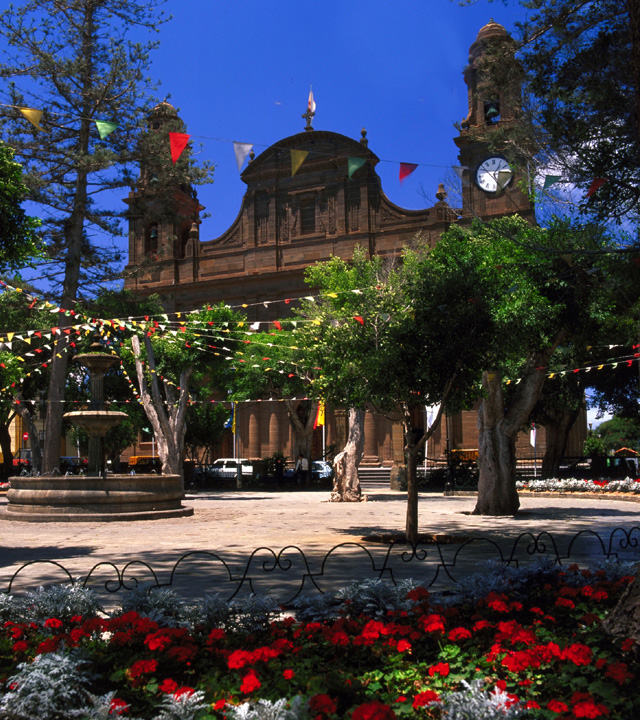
(254, 435)
(370, 440)
(274, 434)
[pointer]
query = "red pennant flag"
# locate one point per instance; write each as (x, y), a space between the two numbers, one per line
(178, 144)
(595, 186)
(406, 169)
(359, 319)
(277, 324)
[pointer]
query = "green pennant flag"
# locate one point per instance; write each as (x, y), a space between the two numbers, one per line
(550, 180)
(355, 163)
(105, 128)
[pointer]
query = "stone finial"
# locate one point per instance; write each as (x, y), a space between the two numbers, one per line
(193, 233)
(251, 156)
(363, 139)
(441, 194)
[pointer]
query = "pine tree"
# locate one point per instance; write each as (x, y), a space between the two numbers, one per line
(74, 61)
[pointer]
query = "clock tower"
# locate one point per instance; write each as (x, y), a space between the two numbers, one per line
(494, 169)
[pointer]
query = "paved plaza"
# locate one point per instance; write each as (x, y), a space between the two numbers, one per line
(228, 526)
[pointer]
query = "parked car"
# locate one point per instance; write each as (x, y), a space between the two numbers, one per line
(321, 471)
(228, 468)
(145, 464)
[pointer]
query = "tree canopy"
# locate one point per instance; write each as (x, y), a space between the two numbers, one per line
(19, 242)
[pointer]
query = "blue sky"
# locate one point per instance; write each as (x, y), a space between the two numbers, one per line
(240, 70)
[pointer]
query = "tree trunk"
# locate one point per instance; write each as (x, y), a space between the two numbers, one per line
(7, 455)
(167, 420)
(558, 426)
(497, 432)
(497, 493)
(624, 620)
(32, 429)
(346, 482)
(411, 450)
(302, 427)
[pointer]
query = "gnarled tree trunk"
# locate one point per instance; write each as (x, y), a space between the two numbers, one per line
(168, 421)
(558, 425)
(32, 429)
(624, 620)
(302, 424)
(497, 432)
(346, 482)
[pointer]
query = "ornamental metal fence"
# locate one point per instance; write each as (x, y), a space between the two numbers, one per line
(291, 572)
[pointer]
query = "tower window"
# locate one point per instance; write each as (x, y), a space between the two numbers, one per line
(307, 217)
(492, 111)
(151, 240)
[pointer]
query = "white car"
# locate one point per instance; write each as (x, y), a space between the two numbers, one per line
(228, 468)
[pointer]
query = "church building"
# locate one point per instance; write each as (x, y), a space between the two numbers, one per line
(288, 221)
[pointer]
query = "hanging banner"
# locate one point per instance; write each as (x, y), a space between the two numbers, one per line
(178, 143)
(105, 128)
(241, 151)
(33, 116)
(355, 163)
(550, 180)
(595, 186)
(297, 158)
(406, 169)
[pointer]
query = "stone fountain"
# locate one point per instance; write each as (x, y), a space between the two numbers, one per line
(96, 495)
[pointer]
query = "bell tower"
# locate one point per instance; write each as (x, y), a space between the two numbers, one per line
(490, 153)
(163, 210)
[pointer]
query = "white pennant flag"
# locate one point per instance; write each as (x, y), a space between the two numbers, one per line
(255, 326)
(241, 150)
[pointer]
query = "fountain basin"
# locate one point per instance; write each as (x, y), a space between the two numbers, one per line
(95, 422)
(86, 498)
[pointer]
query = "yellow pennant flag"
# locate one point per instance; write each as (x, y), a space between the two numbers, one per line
(297, 158)
(33, 116)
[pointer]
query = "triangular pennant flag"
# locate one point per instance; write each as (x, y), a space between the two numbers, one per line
(459, 170)
(550, 180)
(297, 158)
(355, 163)
(277, 325)
(255, 326)
(178, 143)
(105, 128)
(503, 178)
(241, 150)
(33, 116)
(595, 186)
(359, 318)
(406, 169)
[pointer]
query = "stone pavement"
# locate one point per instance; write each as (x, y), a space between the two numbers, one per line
(228, 526)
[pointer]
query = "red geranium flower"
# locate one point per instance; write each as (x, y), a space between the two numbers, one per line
(250, 682)
(373, 711)
(578, 653)
(142, 667)
(288, 674)
(440, 669)
(557, 707)
(403, 646)
(53, 623)
(617, 671)
(184, 690)
(168, 686)
(322, 704)
(118, 707)
(459, 633)
(20, 646)
(424, 698)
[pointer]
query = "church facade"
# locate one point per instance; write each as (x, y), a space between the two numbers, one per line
(288, 221)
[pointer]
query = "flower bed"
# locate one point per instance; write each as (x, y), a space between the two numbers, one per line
(565, 485)
(511, 643)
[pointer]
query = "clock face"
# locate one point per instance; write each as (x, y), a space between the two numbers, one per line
(487, 174)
